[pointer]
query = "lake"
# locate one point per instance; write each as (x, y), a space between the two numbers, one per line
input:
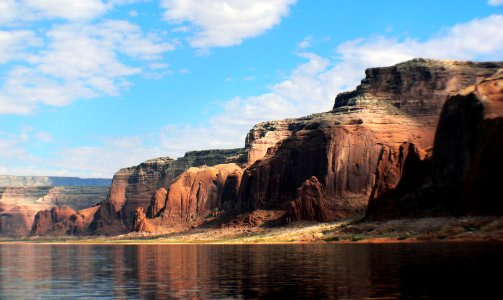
(337, 271)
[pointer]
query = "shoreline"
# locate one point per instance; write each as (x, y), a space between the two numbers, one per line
(480, 229)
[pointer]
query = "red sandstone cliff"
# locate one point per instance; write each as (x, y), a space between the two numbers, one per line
(463, 172)
(393, 108)
(364, 148)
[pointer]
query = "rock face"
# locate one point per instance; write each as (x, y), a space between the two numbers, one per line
(393, 107)
(310, 205)
(462, 174)
(134, 187)
(198, 192)
(194, 195)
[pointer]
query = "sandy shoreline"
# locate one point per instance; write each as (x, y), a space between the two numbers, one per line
(441, 229)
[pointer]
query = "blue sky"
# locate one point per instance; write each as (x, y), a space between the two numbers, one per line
(90, 86)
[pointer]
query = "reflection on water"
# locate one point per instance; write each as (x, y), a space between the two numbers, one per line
(250, 271)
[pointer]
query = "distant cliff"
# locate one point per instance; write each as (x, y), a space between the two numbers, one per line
(21, 197)
(33, 181)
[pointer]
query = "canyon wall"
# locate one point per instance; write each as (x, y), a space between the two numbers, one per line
(375, 141)
(462, 174)
(374, 125)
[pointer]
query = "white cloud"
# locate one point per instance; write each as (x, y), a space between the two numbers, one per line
(222, 23)
(495, 2)
(67, 9)
(479, 38)
(71, 10)
(8, 11)
(43, 136)
(78, 61)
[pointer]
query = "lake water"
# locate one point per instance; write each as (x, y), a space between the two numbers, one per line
(337, 271)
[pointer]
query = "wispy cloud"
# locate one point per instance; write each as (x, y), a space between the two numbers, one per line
(495, 2)
(305, 43)
(74, 61)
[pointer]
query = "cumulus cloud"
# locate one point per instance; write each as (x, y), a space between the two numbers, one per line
(223, 23)
(77, 61)
(14, 43)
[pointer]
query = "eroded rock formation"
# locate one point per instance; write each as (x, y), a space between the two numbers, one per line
(134, 187)
(198, 192)
(310, 205)
(157, 203)
(63, 221)
(142, 223)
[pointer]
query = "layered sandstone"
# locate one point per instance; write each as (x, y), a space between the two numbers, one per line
(462, 174)
(265, 136)
(135, 186)
(393, 108)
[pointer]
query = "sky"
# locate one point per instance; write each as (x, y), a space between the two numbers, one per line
(91, 86)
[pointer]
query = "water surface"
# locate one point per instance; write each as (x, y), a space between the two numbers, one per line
(336, 271)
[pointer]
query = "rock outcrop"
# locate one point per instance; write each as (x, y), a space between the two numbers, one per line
(142, 223)
(134, 187)
(310, 205)
(393, 107)
(63, 221)
(462, 174)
